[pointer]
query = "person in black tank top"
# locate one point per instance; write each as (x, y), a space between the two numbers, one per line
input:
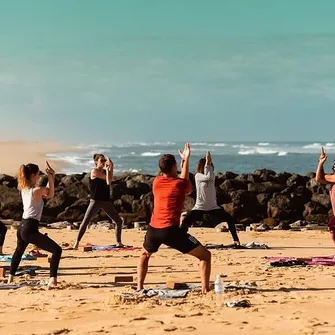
(100, 181)
(100, 190)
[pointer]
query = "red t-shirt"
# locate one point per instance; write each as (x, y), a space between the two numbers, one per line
(169, 196)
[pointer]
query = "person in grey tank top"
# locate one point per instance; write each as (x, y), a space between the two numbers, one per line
(206, 202)
(28, 232)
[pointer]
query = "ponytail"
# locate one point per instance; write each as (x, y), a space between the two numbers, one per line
(24, 175)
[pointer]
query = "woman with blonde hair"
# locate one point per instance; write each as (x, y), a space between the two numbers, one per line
(28, 232)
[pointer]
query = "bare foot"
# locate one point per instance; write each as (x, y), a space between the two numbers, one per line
(120, 244)
(75, 246)
(205, 290)
(52, 282)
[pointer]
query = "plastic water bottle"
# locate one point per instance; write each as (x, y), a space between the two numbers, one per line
(219, 290)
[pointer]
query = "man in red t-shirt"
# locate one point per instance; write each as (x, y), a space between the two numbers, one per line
(169, 196)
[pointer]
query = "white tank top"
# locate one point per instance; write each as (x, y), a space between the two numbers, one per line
(32, 209)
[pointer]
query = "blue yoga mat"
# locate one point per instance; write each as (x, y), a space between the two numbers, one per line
(8, 258)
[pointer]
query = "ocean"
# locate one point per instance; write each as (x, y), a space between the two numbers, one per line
(142, 157)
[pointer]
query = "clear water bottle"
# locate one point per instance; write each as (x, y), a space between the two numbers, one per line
(219, 291)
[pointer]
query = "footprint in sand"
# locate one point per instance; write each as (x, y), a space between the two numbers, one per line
(60, 331)
(188, 329)
(139, 319)
(170, 329)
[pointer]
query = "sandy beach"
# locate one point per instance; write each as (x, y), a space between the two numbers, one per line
(293, 300)
(15, 153)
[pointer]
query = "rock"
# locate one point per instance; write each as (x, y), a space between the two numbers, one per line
(321, 219)
(265, 187)
(282, 178)
(311, 175)
(221, 177)
(322, 199)
(127, 202)
(270, 222)
(263, 227)
(296, 180)
(189, 203)
(222, 225)
(280, 208)
(312, 208)
(263, 198)
(136, 188)
(8, 181)
(233, 185)
(265, 175)
(68, 180)
(283, 225)
(10, 203)
(59, 225)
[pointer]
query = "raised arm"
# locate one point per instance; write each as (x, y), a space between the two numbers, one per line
(109, 171)
(321, 177)
(208, 170)
(185, 164)
(47, 192)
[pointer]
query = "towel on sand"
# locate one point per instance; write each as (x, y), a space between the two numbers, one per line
(112, 247)
(294, 261)
(250, 245)
(23, 284)
(162, 292)
(8, 258)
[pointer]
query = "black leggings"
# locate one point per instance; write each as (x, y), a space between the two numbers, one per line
(109, 209)
(3, 231)
(216, 216)
(28, 233)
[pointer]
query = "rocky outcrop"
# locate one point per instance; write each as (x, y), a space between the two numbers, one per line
(264, 196)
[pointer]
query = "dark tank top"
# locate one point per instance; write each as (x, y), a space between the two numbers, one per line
(99, 189)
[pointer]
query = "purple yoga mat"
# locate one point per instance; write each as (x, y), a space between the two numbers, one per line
(322, 260)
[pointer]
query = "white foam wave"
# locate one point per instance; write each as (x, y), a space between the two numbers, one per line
(150, 154)
(313, 146)
(264, 144)
(199, 143)
(217, 145)
(241, 146)
(259, 151)
(282, 153)
(247, 152)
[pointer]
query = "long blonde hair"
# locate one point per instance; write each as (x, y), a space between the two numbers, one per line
(24, 175)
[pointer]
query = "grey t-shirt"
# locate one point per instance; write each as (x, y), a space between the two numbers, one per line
(206, 193)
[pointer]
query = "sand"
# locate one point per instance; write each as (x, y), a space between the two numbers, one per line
(296, 300)
(15, 153)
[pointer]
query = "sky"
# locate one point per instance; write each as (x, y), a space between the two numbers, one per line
(82, 71)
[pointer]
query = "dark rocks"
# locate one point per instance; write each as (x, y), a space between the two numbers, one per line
(234, 184)
(297, 180)
(265, 187)
(275, 200)
(322, 199)
(321, 219)
(8, 181)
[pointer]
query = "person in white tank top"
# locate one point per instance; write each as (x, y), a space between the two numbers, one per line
(32, 198)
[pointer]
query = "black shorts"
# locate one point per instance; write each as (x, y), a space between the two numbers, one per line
(173, 237)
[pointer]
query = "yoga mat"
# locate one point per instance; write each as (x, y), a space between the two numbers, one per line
(112, 247)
